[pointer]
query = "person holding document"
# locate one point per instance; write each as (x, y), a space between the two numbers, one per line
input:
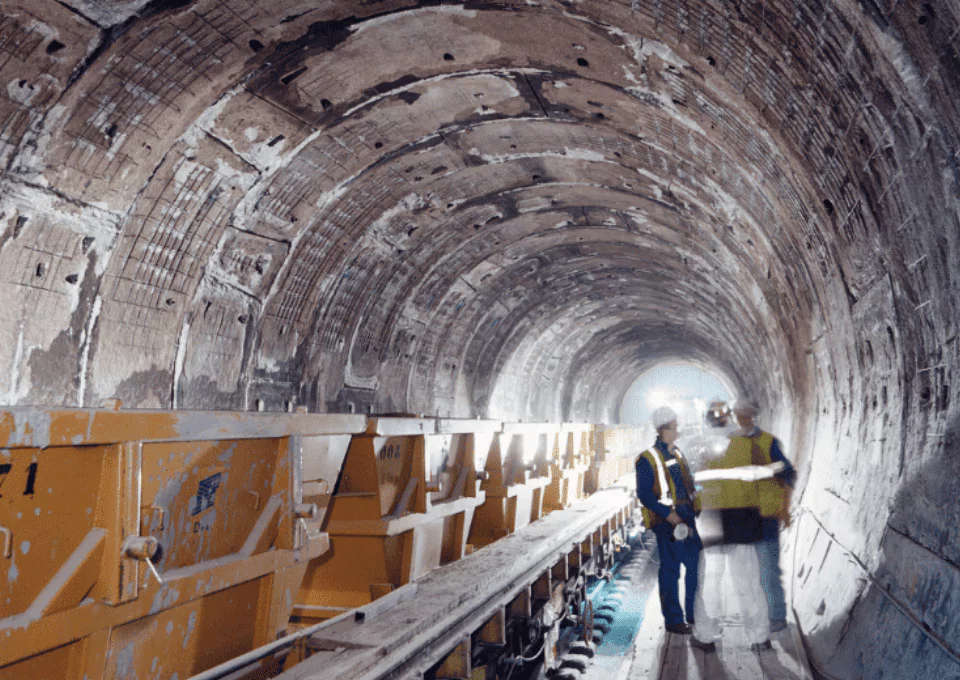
(748, 486)
(762, 448)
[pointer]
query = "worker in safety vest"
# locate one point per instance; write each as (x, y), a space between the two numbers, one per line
(712, 439)
(752, 446)
(670, 506)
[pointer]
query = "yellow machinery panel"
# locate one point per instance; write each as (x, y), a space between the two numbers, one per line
(615, 454)
(517, 471)
(571, 458)
(150, 544)
(39, 489)
(403, 506)
(202, 499)
(184, 640)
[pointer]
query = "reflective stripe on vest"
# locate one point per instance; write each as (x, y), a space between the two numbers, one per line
(662, 476)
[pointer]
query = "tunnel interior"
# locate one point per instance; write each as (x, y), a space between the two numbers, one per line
(512, 210)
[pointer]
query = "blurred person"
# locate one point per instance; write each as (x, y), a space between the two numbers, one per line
(717, 415)
(712, 439)
(670, 507)
(748, 485)
(762, 448)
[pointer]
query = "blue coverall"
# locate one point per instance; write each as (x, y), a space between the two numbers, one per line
(672, 553)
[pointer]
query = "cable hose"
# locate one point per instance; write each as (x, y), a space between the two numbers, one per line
(525, 659)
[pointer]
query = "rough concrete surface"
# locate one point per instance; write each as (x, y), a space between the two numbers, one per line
(510, 209)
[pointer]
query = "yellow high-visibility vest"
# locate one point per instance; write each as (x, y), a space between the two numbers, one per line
(663, 485)
(766, 494)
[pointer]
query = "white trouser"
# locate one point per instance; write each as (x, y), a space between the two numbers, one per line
(730, 593)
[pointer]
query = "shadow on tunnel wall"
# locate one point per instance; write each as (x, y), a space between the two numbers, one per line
(904, 623)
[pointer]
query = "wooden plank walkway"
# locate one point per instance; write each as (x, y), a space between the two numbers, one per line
(658, 655)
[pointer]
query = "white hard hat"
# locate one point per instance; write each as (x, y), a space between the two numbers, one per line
(746, 404)
(663, 416)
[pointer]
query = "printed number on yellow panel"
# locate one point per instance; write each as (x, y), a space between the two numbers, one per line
(391, 452)
(5, 469)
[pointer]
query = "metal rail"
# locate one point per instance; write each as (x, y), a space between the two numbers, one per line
(405, 635)
(455, 601)
(239, 666)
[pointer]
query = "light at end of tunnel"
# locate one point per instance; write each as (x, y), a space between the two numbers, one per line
(684, 387)
(657, 399)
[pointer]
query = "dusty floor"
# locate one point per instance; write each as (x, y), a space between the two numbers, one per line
(658, 655)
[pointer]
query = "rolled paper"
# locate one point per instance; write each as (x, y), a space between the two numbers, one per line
(746, 473)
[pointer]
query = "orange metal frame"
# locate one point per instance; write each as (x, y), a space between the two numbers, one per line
(517, 473)
(148, 543)
(404, 505)
(162, 543)
(615, 453)
(569, 463)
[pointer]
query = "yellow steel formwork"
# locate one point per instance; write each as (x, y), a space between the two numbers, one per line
(158, 544)
(615, 455)
(403, 506)
(482, 604)
(569, 463)
(149, 543)
(517, 472)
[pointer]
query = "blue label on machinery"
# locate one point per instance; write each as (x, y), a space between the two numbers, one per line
(206, 494)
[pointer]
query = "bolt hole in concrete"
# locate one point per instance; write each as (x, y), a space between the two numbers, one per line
(55, 46)
(293, 75)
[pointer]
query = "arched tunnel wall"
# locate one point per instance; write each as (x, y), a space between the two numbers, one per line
(511, 209)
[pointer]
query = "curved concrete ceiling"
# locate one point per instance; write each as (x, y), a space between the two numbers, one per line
(507, 209)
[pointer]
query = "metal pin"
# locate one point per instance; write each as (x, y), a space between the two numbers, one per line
(153, 570)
